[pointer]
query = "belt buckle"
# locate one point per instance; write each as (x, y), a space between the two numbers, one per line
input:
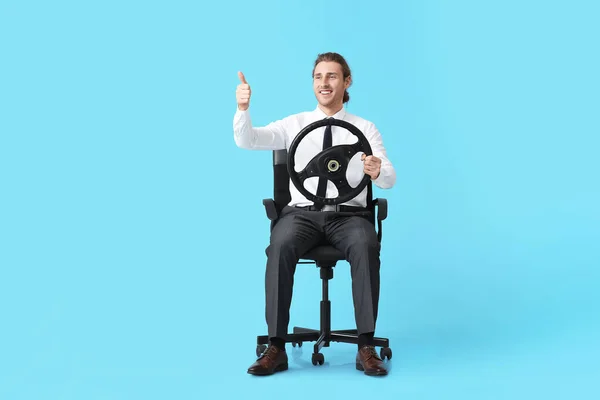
(336, 207)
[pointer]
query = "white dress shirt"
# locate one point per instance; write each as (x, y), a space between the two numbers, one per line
(278, 135)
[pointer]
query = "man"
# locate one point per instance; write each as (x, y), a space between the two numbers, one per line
(302, 224)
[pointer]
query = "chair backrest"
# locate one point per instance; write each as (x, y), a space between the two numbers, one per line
(281, 182)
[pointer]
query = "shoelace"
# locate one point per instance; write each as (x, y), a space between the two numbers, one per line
(372, 352)
(269, 352)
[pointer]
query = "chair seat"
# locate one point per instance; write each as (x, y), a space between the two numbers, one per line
(324, 253)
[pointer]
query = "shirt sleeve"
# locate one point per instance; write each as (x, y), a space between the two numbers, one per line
(387, 174)
(269, 137)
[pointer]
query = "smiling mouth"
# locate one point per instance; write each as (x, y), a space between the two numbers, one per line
(325, 92)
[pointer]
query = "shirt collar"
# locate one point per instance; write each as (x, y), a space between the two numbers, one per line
(339, 115)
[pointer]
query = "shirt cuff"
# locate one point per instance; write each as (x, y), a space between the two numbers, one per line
(382, 180)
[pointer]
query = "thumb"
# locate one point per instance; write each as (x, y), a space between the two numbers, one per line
(362, 158)
(242, 77)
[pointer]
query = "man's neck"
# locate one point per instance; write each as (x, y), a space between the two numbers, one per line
(329, 111)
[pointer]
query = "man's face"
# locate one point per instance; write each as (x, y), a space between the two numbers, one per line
(329, 84)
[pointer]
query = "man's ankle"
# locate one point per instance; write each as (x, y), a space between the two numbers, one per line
(365, 339)
(277, 342)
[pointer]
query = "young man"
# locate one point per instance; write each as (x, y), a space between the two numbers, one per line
(300, 226)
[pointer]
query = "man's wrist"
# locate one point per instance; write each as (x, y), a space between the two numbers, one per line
(377, 177)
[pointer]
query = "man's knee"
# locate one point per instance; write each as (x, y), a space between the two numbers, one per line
(364, 247)
(364, 241)
(282, 236)
(282, 243)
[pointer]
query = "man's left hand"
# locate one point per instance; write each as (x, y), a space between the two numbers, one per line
(372, 166)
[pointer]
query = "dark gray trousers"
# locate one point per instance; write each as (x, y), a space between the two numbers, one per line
(297, 231)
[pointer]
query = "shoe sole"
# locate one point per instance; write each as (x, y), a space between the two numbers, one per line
(376, 373)
(279, 368)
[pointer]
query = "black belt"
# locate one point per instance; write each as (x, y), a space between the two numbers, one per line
(337, 208)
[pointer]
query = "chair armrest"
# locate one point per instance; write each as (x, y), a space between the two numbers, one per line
(270, 209)
(381, 213)
(382, 208)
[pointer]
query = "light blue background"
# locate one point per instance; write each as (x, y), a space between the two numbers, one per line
(121, 274)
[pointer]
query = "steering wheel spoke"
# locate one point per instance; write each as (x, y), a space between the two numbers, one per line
(303, 175)
(309, 171)
(356, 147)
(343, 187)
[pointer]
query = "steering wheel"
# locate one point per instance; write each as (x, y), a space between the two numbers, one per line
(331, 163)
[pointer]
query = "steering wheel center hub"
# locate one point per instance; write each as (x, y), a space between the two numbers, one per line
(333, 165)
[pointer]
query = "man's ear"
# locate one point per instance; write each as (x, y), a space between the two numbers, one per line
(348, 82)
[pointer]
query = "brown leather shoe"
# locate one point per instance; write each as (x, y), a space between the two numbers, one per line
(271, 360)
(368, 361)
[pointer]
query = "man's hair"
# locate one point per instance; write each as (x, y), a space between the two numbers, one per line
(335, 57)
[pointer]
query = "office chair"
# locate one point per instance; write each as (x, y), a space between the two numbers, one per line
(325, 257)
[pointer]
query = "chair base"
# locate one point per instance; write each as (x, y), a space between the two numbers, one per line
(323, 339)
(324, 336)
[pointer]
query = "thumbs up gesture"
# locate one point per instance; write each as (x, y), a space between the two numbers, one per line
(243, 92)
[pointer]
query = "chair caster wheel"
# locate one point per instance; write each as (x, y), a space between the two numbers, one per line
(260, 349)
(294, 344)
(318, 358)
(385, 352)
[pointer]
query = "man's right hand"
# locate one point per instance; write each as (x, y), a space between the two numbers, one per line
(243, 92)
